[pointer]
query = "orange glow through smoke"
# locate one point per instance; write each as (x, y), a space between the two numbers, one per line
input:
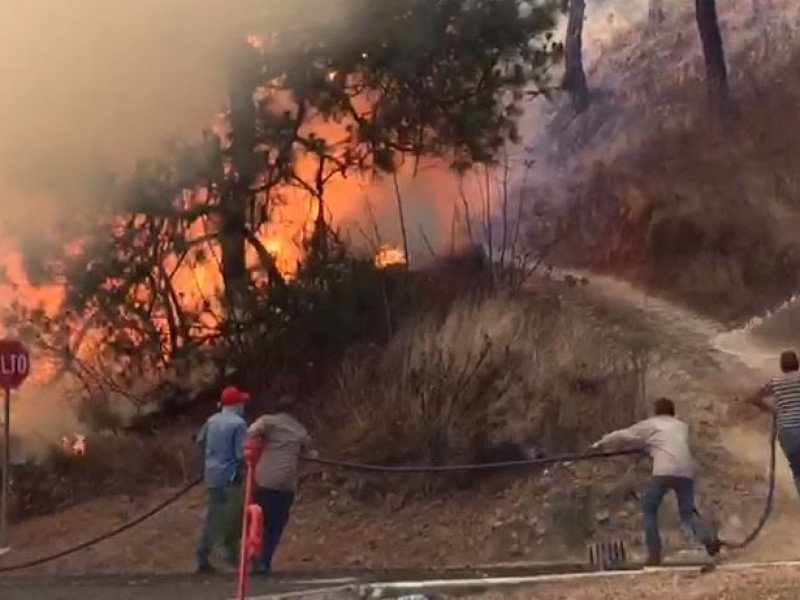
(199, 282)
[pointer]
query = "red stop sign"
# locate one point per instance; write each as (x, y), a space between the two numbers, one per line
(15, 364)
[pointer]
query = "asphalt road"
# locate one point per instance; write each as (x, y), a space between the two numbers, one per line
(223, 587)
(178, 587)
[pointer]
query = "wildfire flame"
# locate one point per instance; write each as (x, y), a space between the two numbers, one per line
(198, 280)
(255, 41)
(388, 256)
(74, 445)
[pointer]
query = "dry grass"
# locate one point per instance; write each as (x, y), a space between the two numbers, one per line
(113, 464)
(703, 209)
(497, 376)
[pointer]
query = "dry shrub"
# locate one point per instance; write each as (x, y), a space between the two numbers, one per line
(98, 413)
(498, 376)
(112, 464)
(703, 208)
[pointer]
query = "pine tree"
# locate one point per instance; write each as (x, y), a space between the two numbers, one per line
(713, 52)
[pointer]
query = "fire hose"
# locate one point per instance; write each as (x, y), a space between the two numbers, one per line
(109, 534)
(734, 545)
(328, 462)
(252, 527)
(770, 500)
(253, 518)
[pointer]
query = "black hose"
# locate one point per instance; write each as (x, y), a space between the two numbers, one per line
(563, 458)
(337, 463)
(356, 466)
(770, 496)
(101, 538)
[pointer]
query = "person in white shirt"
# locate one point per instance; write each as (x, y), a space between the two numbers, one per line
(666, 439)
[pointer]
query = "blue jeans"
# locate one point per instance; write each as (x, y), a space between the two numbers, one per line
(214, 513)
(276, 506)
(790, 442)
(684, 490)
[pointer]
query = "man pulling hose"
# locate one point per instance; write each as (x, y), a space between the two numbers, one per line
(666, 439)
(781, 397)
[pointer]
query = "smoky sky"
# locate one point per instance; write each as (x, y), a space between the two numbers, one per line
(90, 84)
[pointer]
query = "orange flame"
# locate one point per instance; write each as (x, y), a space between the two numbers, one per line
(388, 256)
(198, 282)
(74, 445)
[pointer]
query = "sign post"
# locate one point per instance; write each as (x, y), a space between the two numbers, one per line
(15, 365)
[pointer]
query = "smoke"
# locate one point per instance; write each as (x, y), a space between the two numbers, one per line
(89, 84)
(88, 87)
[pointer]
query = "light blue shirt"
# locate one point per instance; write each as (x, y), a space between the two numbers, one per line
(222, 441)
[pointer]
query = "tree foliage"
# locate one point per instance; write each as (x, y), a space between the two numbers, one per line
(307, 102)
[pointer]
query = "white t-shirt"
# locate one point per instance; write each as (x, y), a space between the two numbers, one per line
(665, 439)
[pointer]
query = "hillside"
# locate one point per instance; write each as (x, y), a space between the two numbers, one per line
(685, 226)
(653, 187)
(542, 516)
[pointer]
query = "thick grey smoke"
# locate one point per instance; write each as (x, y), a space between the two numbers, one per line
(88, 83)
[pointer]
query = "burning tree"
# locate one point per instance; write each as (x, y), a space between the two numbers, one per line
(176, 258)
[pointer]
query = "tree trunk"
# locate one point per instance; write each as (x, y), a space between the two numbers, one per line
(402, 220)
(713, 52)
(235, 199)
(575, 77)
(655, 13)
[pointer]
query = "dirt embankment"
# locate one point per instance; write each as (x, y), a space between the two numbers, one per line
(346, 522)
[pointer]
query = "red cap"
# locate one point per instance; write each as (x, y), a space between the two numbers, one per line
(231, 396)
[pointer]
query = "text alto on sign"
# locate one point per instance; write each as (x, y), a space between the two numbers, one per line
(14, 365)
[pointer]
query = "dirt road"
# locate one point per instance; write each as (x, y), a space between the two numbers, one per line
(709, 370)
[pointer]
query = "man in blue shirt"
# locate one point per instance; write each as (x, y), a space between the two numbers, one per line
(221, 439)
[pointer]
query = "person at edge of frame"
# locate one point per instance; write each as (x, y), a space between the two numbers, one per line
(781, 397)
(666, 439)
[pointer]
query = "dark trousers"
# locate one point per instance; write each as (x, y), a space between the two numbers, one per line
(684, 490)
(276, 506)
(790, 443)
